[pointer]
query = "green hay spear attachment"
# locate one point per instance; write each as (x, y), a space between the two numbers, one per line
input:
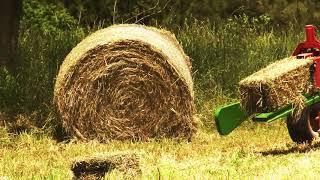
(229, 117)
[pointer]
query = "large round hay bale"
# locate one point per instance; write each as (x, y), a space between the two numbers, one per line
(126, 82)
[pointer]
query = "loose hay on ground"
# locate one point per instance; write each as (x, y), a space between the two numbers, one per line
(126, 82)
(97, 166)
(275, 86)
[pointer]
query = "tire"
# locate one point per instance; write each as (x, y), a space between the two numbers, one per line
(304, 129)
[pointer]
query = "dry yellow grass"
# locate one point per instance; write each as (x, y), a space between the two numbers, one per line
(252, 151)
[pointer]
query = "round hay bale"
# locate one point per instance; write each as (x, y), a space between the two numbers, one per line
(126, 82)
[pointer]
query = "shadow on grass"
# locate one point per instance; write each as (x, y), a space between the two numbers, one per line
(301, 148)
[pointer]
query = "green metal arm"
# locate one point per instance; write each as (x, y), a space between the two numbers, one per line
(229, 117)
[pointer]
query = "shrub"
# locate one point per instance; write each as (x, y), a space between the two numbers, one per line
(46, 17)
(46, 36)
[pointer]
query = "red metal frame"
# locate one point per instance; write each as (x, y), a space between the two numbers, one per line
(316, 75)
(311, 43)
(310, 49)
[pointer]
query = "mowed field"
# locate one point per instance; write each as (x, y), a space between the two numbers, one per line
(252, 151)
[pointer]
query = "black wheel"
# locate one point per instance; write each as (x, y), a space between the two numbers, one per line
(305, 128)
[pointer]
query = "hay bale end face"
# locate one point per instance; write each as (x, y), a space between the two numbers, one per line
(126, 82)
(275, 86)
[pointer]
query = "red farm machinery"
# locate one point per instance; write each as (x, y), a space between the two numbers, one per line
(302, 128)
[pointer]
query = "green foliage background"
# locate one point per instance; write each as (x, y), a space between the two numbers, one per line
(226, 40)
(281, 12)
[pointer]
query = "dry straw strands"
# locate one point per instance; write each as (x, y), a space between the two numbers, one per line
(275, 86)
(97, 166)
(126, 82)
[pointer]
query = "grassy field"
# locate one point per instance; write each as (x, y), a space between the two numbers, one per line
(252, 151)
(221, 54)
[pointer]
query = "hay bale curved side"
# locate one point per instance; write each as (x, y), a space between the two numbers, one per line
(126, 82)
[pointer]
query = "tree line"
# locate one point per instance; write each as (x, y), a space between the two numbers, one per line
(281, 12)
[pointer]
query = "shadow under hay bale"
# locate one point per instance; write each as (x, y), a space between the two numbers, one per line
(126, 82)
(96, 167)
(279, 84)
(3, 119)
(19, 123)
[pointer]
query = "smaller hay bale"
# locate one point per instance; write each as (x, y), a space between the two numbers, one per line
(275, 86)
(97, 166)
